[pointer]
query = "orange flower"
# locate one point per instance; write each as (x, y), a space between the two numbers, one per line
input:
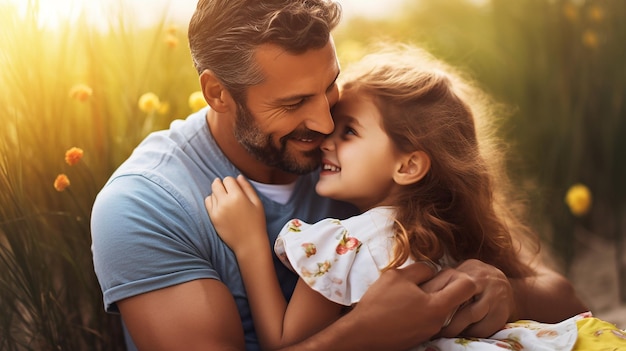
(61, 182)
(570, 11)
(81, 92)
(172, 29)
(590, 39)
(171, 41)
(596, 14)
(73, 155)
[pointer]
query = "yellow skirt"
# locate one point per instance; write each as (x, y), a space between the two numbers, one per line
(597, 335)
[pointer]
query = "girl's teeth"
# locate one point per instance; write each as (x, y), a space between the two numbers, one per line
(331, 168)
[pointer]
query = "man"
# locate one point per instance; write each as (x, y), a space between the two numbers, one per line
(268, 71)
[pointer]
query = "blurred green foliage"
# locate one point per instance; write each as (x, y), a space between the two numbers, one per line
(557, 64)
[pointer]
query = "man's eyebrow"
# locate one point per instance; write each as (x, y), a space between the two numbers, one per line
(290, 98)
(334, 81)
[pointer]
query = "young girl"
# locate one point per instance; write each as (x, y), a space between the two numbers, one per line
(412, 150)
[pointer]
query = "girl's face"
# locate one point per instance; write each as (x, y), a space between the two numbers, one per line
(358, 158)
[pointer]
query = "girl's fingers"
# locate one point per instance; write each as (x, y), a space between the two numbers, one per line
(248, 189)
(217, 187)
(230, 184)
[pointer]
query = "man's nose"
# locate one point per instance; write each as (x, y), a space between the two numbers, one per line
(320, 119)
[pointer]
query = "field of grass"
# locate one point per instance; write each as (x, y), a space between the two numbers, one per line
(75, 101)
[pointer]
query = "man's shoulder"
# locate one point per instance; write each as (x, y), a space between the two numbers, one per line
(185, 154)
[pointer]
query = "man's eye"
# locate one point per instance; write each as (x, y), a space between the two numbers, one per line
(294, 106)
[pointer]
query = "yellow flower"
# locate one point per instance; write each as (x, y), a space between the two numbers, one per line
(149, 102)
(61, 182)
(164, 108)
(80, 92)
(590, 39)
(578, 199)
(73, 155)
(171, 41)
(196, 101)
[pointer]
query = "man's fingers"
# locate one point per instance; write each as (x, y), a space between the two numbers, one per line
(471, 320)
(458, 323)
(418, 272)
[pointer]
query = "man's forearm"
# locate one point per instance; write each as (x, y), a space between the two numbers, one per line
(332, 338)
(342, 335)
(546, 297)
(395, 313)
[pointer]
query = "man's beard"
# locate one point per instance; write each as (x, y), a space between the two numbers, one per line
(260, 145)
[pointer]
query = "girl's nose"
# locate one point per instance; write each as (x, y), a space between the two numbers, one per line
(328, 143)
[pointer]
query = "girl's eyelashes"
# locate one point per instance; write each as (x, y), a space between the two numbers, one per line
(347, 131)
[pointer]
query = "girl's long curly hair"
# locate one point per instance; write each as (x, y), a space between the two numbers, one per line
(463, 207)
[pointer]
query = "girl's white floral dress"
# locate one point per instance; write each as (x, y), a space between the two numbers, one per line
(341, 258)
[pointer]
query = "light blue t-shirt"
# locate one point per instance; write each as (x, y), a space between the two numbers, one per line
(150, 229)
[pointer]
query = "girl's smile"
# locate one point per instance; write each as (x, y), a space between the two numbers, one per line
(359, 158)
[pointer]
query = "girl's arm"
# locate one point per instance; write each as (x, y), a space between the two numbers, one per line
(277, 324)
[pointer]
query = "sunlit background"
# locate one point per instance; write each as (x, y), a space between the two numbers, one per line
(83, 82)
(147, 12)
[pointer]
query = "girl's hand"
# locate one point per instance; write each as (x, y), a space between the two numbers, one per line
(237, 214)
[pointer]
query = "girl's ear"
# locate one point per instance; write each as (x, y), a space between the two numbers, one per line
(215, 93)
(413, 167)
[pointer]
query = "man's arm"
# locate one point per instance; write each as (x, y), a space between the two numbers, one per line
(394, 314)
(545, 296)
(197, 315)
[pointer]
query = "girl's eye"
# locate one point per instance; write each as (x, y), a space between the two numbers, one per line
(349, 131)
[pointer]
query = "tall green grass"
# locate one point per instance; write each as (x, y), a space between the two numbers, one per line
(49, 296)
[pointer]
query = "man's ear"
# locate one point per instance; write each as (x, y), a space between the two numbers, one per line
(215, 93)
(413, 167)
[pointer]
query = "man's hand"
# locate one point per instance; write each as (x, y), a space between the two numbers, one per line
(395, 313)
(544, 296)
(488, 309)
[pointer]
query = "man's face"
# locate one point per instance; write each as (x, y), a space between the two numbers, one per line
(288, 115)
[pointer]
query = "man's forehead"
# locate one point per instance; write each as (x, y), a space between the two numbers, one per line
(293, 75)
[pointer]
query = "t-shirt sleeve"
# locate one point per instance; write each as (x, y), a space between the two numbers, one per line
(329, 258)
(141, 240)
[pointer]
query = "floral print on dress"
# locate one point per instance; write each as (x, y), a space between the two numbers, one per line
(582, 332)
(339, 259)
(347, 243)
(294, 225)
(309, 249)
